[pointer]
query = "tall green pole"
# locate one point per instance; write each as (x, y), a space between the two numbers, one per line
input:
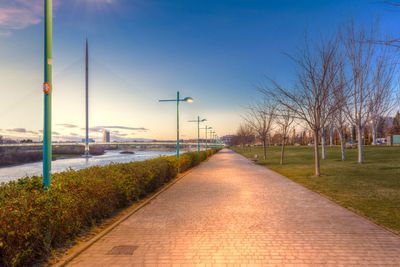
(177, 100)
(177, 125)
(47, 89)
(198, 134)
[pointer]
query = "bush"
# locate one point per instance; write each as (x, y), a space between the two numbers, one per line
(192, 159)
(33, 221)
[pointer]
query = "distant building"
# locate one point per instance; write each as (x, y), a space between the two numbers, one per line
(106, 136)
(9, 141)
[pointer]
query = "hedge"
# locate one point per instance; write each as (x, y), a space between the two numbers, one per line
(34, 221)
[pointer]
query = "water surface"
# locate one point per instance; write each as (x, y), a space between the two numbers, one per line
(112, 156)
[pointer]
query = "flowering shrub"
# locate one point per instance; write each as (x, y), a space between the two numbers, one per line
(33, 221)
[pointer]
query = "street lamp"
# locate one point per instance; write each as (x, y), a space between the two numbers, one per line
(198, 131)
(212, 137)
(47, 90)
(177, 100)
(206, 128)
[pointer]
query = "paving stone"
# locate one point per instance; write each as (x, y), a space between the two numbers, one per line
(230, 212)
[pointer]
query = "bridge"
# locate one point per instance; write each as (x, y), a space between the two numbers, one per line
(119, 144)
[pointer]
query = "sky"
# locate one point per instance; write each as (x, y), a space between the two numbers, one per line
(215, 51)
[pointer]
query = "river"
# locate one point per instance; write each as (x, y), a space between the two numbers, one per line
(112, 156)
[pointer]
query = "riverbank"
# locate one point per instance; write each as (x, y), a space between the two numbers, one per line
(34, 222)
(15, 155)
(77, 163)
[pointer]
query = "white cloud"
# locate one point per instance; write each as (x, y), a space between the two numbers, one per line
(120, 127)
(68, 125)
(20, 14)
(15, 18)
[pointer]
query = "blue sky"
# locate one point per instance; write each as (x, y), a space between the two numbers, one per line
(143, 50)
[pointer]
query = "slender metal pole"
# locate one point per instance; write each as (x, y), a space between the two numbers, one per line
(214, 138)
(206, 138)
(177, 125)
(198, 134)
(47, 88)
(87, 98)
(211, 139)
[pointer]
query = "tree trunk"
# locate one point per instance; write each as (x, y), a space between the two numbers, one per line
(360, 144)
(373, 134)
(342, 145)
(323, 143)
(331, 134)
(265, 148)
(282, 150)
(316, 154)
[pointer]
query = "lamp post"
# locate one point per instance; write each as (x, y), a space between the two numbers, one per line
(206, 128)
(47, 90)
(198, 131)
(211, 138)
(214, 138)
(177, 100)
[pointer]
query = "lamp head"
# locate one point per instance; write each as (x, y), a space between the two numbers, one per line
(203, 120)
(188, 99)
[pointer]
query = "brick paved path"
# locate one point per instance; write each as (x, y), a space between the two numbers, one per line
(231, 212)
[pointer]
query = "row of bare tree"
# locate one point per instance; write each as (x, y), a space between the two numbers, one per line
(345, 81)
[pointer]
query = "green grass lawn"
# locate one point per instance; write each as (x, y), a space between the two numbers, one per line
(371, 189)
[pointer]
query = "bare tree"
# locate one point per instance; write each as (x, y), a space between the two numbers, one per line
(260, 118)
(359, 53)
(382, 99)
(331, 131)
(339, 117)
(285, 120)
(245, 134)
(311, 99)
(389, 41)
(323, 142)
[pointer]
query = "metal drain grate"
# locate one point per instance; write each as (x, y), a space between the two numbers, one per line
(122, 250)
